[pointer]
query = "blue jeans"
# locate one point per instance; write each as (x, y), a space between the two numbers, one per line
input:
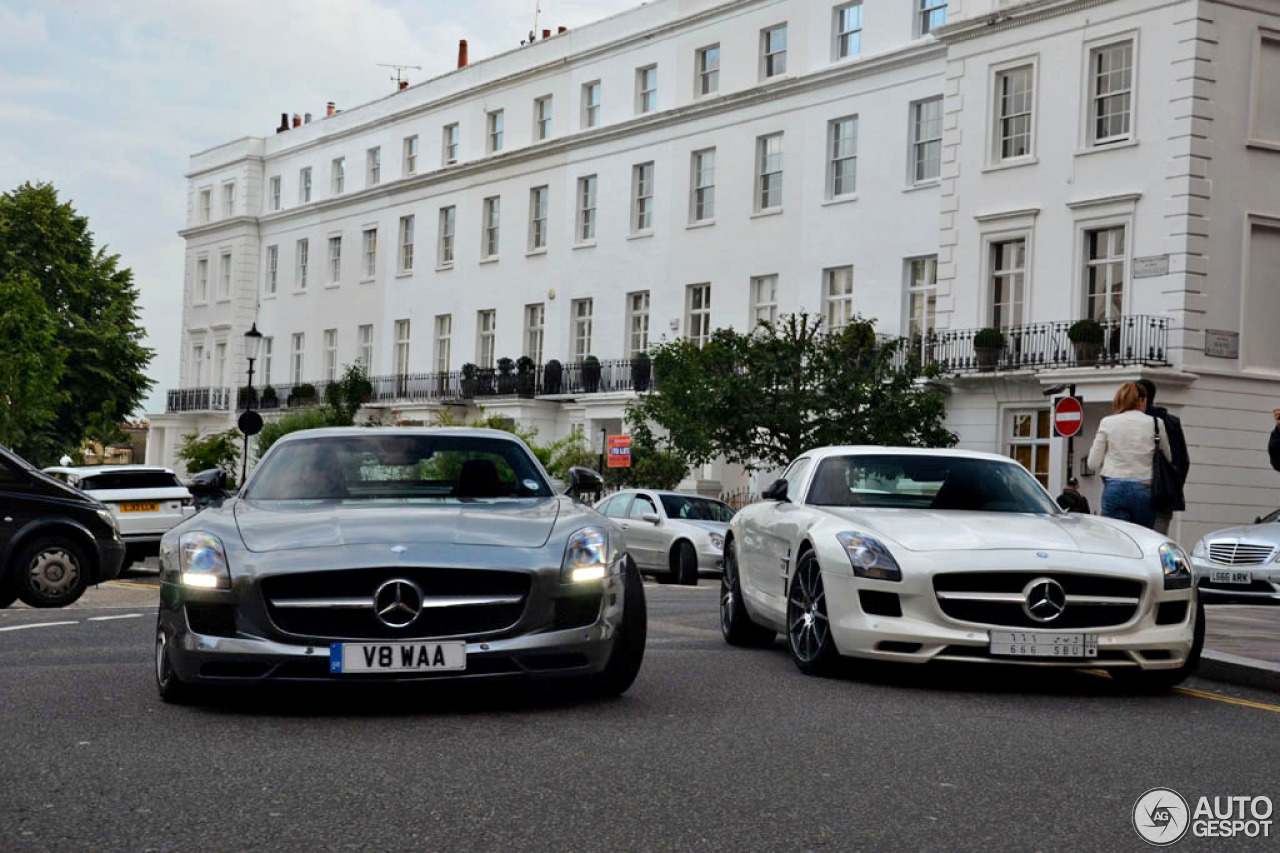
(1128, 500)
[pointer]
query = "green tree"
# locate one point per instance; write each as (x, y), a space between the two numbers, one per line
(274, 430)
(93, 302)
(31, 361)
(761, 398)
(345, 397)
(216, 450)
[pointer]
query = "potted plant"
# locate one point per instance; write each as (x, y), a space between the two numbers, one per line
(987, 345)
(641, 372)
(506, 380)
(552, 374)
(590, 374)
(248, 397)
(270, 399)
(1086, 337)
(469, 380)
(302, 395)
(525, 379)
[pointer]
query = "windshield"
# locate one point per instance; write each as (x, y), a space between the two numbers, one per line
(695, 509)
(385, 467)
(928, 482)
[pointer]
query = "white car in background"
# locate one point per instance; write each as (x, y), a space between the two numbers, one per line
(147, 501)
(670, 534)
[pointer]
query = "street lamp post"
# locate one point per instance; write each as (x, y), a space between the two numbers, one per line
(252, 343)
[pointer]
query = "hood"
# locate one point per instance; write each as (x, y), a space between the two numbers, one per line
(926, 530)
(279, 526)
(1264, 533)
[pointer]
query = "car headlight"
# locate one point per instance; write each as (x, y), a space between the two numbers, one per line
(586, 556)
(1199, 550)
(203, 562)
(105, 515)
(869, 557)
(717, 541)
(1177, 568)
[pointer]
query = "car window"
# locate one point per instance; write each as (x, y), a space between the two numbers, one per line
(9, 476)
(640, 506)
(129, 480)
(693, 508)
(618, 506)
(793, 475)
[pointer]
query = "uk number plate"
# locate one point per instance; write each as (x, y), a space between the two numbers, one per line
(1041, 644)
(397, 657)
(139, 507)
(1230, 576)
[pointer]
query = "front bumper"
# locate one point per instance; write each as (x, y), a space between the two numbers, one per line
(1264, 589)
(710, 559)
(110, 559)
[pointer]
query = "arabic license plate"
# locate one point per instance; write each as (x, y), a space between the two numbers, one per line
(1230, 576)
(397, 657)
(1041, 644)
(139, 507)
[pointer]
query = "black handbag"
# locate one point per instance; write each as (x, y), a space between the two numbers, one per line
(1166, 485)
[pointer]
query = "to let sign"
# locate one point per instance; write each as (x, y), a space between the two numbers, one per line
(619, 453)
(1068, 417)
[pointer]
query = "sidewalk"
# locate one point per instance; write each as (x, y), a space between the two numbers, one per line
(1242, 645)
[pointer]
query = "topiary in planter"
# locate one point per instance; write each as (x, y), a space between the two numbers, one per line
(552, 376)
(987, 345)
(469, 380)
(591, 374)
(302, 395)
(506, 381)
(248, 397)
(270, 399)
(1087, 337)
(641, 372)
(526, 379)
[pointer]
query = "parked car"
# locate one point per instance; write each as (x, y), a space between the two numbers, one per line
(54, 540)
(1238, 564)
(147, 501)
(386, 554)
(912, 555)
(674, 535)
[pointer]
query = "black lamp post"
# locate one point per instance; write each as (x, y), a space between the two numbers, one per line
(252, 343)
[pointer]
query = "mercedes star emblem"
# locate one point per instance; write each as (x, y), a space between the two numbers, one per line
(1044, 599)
(397, 603)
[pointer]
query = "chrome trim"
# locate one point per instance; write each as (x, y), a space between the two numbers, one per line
(429, 602)
(1018, 598)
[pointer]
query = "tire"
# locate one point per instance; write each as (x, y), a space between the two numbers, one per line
(735, 622)
(50, 573)
(628, 647)
(684, 564)
(808, 627)
(172, 689)
(1162, 680)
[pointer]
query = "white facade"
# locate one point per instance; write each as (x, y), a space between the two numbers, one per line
(635, 161)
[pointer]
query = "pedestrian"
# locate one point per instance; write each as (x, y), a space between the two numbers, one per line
(1177, 446)
(1122, 453)
(1071, 500)
(1273, 446)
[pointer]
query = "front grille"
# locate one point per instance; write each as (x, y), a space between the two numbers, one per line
(1239, 553)
(1005, 606)
(361, 623)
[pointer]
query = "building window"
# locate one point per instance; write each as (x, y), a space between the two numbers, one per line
(764, 299)
(837, 297)
(848, 30)
(926, 140)
(537, 218)
(922, 302)
(842, 167)
(273, 268)
(646, 89)
(275, 193)
(586, 209)
(769, 172)
(268, 345)
(486, 333)
(492, 223)
(582, 310)
(542, 118)
(495, 132)
(228, 200)
(1029, 442)
(370, 252)
(444, 333)
(708, 71)
(444, 251)
(202, 281)
(411, 155)
(703, 201)
(206, 205)
(373, 166)
(335, 260)
(933, 14)
(304, 185)
(406, 244)
(638, 322)
(197, 365)
(364, 350)
(1264, 124)
(330, 355)
(339, 176)
(220, 364)
(642, 194)
(1111, 95)
(402, 347)
(299, 343)
(1104, 273)
(224, 276)
(591, 104)
(449, 152)
(300, 271)
(534, 323)
(698, 313)
(773, 49)
(1014, 92)
(1008, 281)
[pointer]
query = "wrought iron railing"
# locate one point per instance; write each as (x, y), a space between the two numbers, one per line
(198, 400)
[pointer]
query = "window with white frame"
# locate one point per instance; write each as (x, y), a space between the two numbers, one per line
(842, 163)
(1104, 262)
(926, 140)
(698, 313)
(492, 224)
(931, 15)
(364, 347)
(338, 176)
(642, 198)
(273, 269)
(197, 365)
(1008, 282)
(1264, 124)
(373, 166)
(1030, 441)
(702, 204)
(534, 322)
(764, 299)
(444, 335)
(591, 104)
(495, 133)
(370, 252)
(922, 302)
(229, 199)
(773, 52)
(537, 218)
(646, 89)
(449, 144)
(542, 118)
(586, 229)
(201, 294)
(220, 364)
(444, 245)
(330, 355)
(638, 322)
(304, 185)
(296, 363)
(708, 65)
(265, 353)
(837, 297)
(486, 335)
(300, 268)
(274, 192)
(848, 30)
(405, 255)
(1015, 89)
(224, 276)
(335, 260)
(1111, 93)
(402, 347)
(411, 155)
(581, 311)
(769, 172)
(206, 205)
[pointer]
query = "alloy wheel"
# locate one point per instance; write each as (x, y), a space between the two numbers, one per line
(728, 580)
(807, 623)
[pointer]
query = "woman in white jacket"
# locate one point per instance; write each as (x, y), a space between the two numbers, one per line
(1122, 453)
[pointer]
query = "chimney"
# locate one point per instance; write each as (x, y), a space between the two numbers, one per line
(462, 53)
(297, 120)
(329, 108)
(404, 84)
(284, 123)
(562, 30)
(546, 34)
(306, 118)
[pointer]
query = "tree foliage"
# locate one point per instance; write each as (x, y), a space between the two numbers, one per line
(216, 450)
(762, 398)
(31, 361)
(297, 419)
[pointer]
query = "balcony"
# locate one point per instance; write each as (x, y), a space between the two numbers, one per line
(198, 400)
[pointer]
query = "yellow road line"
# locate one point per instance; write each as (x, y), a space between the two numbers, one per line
(131, 583)
(1230, 700)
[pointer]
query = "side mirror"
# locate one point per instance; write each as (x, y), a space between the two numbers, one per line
(777, 491)
(651, 517)
(583, 480)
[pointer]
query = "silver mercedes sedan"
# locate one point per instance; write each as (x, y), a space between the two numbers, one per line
(671, 534)
(361, 554)
(1240, 564)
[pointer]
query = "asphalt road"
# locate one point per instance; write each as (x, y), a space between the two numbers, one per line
(713, 749)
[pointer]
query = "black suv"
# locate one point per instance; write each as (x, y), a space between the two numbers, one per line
(54, 540)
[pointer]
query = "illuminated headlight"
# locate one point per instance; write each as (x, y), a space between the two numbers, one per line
(1177, 568)
(586, 556)
(202, 561)
(717, 541)
(1199, 550)
(105, 515)
(869, 558)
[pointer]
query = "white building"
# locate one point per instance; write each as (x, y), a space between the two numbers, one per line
(693, 164)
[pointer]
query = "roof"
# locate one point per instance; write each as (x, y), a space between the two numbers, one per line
(90, 470)
(883, 450)
(337, 432)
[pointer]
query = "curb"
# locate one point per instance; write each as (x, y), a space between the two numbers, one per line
(1236, 669)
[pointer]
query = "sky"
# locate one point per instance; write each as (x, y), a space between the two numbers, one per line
(107, 99)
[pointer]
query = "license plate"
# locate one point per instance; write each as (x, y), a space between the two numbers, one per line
(1040, 644)
(140, 507)
(397, 657)
(1229, 576)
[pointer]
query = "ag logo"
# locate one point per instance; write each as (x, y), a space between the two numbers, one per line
(1161, 816)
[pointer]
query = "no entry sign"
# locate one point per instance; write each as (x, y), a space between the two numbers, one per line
(1068, 417)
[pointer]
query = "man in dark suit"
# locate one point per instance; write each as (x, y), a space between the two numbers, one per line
(1177, 447)
(1072, 501)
